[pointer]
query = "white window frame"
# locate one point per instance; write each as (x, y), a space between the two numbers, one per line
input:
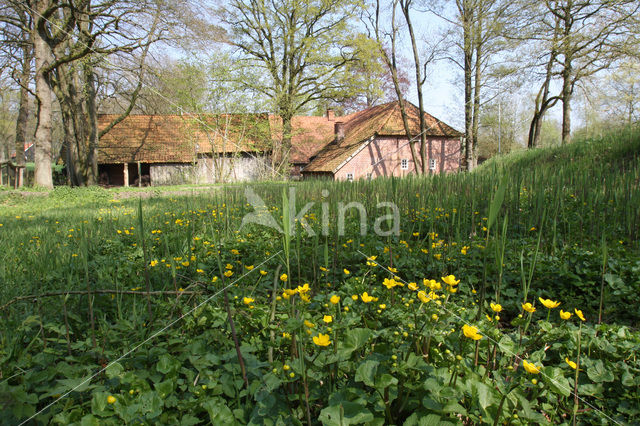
(433, 164)
(350, 177)
(404, 164)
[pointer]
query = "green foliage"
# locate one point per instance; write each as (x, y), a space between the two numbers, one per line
(400, 359)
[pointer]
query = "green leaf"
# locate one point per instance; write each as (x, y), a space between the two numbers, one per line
(353, 340)
(218, 411)
(554, 378)
(598, 373)
(345, 413)
(114, 370)
(366, 372)
(485, 395)
(496, 202)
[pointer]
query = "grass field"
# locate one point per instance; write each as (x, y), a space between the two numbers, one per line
(168, 310)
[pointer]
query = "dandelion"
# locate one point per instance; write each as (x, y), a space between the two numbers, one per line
(335, 299)
(570, 363)
(471, 332)
(530, 367)
(579, 314)
(528, 307)
(565, 315)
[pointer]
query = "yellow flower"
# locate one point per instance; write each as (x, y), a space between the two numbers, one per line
(437, 256)
(423, 297)
(228, 274)
(450, 280)
(354, 297)
(528, 307)
(565, 315)
(394, 270)
(496, 307)
(471, 332)
(111, 399)
(153, 263)
(249, 267)
(286, 335)
(185, 263)
(234, 251)
(570, 363)
(346, 271)
(335, 299)
(366, 298)
(327, 318)
(214, 279)
(263, 273)
(248, 300)
(412, 286)
(391, 283)
(323, 269)
(548, 303)
(284, 277)
(229, 266)
(286, 367)
(452, 289)
(309, 324)
(434, 317)
(322, 340)
(579, 314)
(530, 367)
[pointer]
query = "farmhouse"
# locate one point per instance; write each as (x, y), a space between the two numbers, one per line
(176, 149)
(373, 143)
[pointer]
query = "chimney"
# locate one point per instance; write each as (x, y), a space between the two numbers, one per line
(330, 115)
(338, 129)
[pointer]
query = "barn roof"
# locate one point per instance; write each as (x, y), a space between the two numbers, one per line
(381, 120)
(180, 138)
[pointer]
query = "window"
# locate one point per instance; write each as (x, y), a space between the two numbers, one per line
(350, 177)
(433, 163)
(404, 164)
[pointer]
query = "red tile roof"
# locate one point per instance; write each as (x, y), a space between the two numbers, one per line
(381, 120)
(178, 139)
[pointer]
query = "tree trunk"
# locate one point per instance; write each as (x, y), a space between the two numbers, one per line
(424, 155)
(23, 109)
(566, 104)
(476, 101)
(468, 83)
(43, 143)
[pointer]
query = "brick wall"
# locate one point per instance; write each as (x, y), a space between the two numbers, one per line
(384, 155)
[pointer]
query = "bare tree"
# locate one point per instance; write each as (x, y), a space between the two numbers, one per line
(594, 34)
(302, 46)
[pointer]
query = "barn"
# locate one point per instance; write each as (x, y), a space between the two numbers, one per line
(373, 143)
